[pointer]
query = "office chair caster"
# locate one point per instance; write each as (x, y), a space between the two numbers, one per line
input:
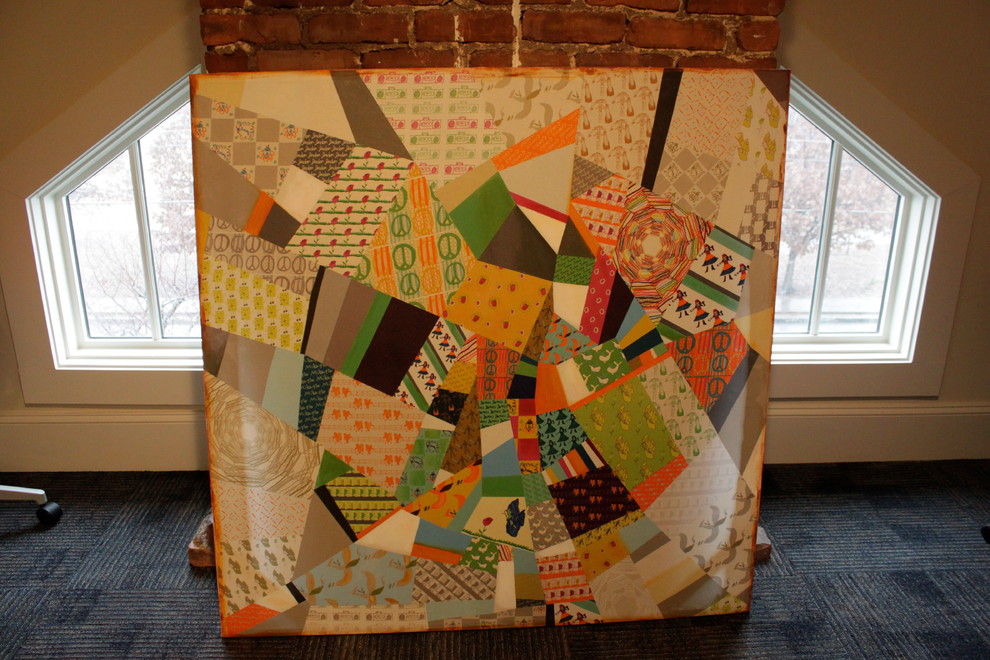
(986, 533)
(49, 513)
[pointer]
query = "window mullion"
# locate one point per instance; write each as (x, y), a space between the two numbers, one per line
(894, 266)
(825, 241)
(144, 231)
(64, 251)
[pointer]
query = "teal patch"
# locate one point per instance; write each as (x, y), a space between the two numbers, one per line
(314, 388)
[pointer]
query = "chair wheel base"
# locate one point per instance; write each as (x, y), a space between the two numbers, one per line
(49, 513)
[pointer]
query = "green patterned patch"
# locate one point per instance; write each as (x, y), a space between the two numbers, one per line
(481, 555)
(535, 489)
(423, 464)
(624, 425)
(493, 411)
(573, 270)
(601, 365)
(361, 501)
(559, 432)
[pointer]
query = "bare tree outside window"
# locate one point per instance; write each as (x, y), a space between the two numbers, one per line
(836, 286)
(149, 182)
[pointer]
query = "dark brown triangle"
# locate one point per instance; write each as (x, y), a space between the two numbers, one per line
(573, 244)
(465, 443)
(519, 246)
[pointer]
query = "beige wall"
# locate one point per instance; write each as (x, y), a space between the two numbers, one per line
(935, 66)
(51, 56)
(54, 52)
(891, 44)
(10, 385)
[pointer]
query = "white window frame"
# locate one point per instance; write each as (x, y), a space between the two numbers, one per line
(48, 209)
(910, 252)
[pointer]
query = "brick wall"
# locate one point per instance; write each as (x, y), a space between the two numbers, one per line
(269, 35)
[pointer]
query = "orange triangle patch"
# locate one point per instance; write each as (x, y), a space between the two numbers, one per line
(549, 390)
(555, 136)
(246, 618)
(441, 504)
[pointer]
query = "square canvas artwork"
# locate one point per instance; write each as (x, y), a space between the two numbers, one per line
(483, 347)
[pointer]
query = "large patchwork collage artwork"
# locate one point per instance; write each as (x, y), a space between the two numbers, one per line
(485, 347)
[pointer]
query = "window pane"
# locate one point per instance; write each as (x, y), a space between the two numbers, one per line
(808, 152)
(166, 158)
(105, 230)
(862, 230)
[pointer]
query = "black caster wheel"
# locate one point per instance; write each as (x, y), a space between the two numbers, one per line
(49, 513)
(986, 533)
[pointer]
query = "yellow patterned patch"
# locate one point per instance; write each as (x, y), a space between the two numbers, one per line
(250, 306)
(603, 547)
(499, 303)
(461, 377)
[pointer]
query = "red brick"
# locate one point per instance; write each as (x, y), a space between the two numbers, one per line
(495, 2)
(383, 3)
(491, 58)
(655, 5)
(235, 63)
(653, 32)
(546, 2)
(623, 58)
(408, 58)
(221, 4)
(544, 58)
(573, 27)
(302, 3)
(434, 25)
(722, 62)
(304, 60)
(486, 26)
(759, 35)
(273, 29)
(354, 28)
(740, 7)
(219, 29)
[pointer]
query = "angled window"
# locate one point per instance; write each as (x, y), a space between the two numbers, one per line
(856, 239)
(115, 239)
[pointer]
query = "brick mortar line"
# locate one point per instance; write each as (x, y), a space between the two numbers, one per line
(570, 49)
(517, 37)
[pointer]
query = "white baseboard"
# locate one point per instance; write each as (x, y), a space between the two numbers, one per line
(59, 440)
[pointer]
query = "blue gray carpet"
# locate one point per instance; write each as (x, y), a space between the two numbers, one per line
(881, 560)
